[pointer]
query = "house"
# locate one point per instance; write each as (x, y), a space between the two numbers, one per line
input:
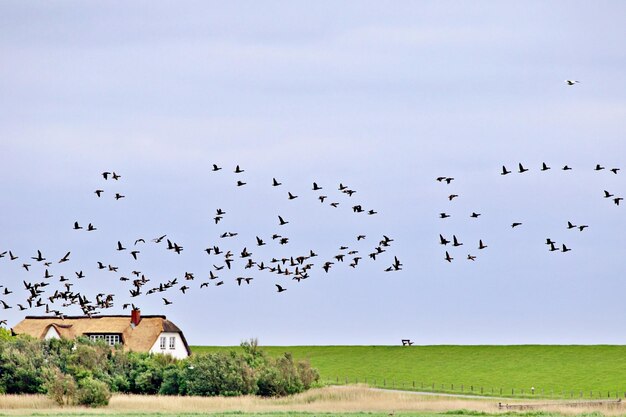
(154, 334)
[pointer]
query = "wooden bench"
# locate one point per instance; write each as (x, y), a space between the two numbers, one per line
(406, 342)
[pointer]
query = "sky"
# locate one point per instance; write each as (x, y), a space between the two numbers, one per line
(383, 97)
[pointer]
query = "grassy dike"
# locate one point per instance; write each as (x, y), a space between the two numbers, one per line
(559, 371)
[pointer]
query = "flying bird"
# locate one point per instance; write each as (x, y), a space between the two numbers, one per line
(571, 82)
(279, 288)
(544, 167)
(238, 170)
(481, 245)
(216, 168)
(448, 257)
(282, 222)
(516, 224)
(504, 171)
(65, 258)
(443, 240)
(566, 168)
(521, 168)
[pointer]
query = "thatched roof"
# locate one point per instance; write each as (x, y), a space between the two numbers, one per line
(138, 338)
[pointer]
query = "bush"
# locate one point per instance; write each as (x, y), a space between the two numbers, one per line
(61, 388)
(219, 374)
(93, 393)
(173, 381)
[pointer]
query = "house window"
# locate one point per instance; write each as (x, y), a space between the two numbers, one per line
(110, 339)
(172, 342)
(162, 342)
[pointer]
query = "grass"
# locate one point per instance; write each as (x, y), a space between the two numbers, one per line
(349, 401)
(554, 371)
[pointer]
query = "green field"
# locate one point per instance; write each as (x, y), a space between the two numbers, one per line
(597, 371)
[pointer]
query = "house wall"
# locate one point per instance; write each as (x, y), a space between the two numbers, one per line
(179, 350)
(51, 334)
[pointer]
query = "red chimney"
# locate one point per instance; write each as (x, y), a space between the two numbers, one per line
(135, 317)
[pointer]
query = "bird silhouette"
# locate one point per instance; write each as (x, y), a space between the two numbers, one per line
(166, 301)
(455, 241)
(566, 168)
(615, 170)
(474, 215)
(443, 215)
(471, 257)
(443, 240)
(607, 194)
(521, 168)
(544, 167)
(316, 187)
(241, 183)
(570, 225)
(276, 183)
(279, 288)
(238, 170)
(571, 82)
(282, 221)
(481, 245)
(565, 248)
(504, 171)
(291, 196)
(65, 258)
(516, 224)
(448, 257)
(76, 226)
(118, 196)
(598, 167)
(216, 168)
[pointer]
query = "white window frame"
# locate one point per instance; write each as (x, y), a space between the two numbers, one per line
(162, 342)
(110, 339)
(172, 342)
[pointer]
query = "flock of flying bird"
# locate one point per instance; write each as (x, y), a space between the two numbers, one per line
(296, 266)
(552, 246)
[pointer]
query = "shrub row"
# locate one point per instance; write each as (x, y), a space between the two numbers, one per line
(87, 372)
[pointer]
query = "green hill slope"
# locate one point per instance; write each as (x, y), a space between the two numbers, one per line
(559, 371)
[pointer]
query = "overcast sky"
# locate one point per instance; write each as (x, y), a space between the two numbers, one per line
(383, 97)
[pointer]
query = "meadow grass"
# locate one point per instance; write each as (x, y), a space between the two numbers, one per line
(348, 401)
(554, 371)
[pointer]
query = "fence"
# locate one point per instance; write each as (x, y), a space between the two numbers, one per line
(480, 390)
